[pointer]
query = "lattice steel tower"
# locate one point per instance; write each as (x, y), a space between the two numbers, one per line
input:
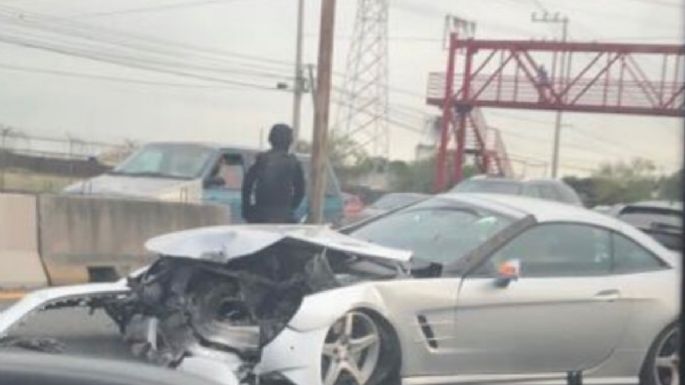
(363, 105)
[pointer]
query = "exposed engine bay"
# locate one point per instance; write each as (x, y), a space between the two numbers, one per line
(222, 306)
(235, 307)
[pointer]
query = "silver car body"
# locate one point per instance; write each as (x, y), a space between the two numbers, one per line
(536, 330)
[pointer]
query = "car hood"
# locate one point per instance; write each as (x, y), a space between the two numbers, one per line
(139, 187)
(224, 243)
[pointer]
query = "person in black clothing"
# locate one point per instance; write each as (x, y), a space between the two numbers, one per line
(275, 180)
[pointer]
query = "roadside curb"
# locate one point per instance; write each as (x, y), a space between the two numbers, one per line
(12, 295)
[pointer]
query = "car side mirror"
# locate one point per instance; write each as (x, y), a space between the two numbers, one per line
(507, 272)
(216, 181)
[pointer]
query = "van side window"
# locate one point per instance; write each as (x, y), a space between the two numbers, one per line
(231, 168)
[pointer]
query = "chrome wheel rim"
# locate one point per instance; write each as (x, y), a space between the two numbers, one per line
(351, 350)
(667, 360)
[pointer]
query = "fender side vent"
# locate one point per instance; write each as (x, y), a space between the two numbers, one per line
(427, 332)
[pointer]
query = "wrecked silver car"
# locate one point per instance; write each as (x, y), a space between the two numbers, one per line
(220, 294)
(492, 289)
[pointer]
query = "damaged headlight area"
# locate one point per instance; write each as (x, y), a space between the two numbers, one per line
(182, 307)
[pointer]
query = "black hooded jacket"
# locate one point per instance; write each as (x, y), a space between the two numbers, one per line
(276, 181)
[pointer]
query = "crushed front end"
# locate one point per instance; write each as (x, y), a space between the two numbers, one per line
(211, 311)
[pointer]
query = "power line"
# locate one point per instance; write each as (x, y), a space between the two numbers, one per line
(622, 148)
(161, 46)
(27, 19)
(147, 67)
(163, 7)
(120, 79)
(151, 60)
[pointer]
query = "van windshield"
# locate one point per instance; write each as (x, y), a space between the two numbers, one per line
(181, 161)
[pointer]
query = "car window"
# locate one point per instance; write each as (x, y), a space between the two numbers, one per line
(231, 169)
(568, 195)
(549, 192)
(629, 257)
(490, 186)
(646, 218)
(434, 231)
(532, 191)
(558, 250)
(167, 160)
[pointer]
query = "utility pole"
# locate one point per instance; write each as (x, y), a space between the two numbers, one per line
(298, 88)
(312, 83)
(321, 112)
(5, 131)
(564, 74)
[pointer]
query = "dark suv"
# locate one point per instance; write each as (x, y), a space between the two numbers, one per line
(548, 189)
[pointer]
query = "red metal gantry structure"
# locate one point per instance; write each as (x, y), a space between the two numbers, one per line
(644, 79)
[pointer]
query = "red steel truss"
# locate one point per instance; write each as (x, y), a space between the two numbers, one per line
(645, 79)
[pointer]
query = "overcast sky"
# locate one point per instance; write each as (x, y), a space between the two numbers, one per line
(158, 106)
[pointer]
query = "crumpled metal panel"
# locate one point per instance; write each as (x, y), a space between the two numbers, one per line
(223, 243)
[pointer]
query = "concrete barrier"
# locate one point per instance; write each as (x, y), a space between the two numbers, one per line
(20, 265)
(86, 238)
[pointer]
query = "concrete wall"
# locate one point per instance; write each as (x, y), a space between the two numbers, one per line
(20, 265)
(81, 232)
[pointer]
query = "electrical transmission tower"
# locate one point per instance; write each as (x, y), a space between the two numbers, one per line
(363, 105)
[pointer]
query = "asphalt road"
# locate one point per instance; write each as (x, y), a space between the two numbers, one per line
(81, 333)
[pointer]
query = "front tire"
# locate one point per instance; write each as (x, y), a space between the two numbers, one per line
(359, 350)
(662, 364)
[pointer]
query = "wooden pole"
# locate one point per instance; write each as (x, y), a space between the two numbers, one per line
(317, 192)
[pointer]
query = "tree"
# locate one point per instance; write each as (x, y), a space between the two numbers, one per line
(625, 182)
(671, 187)
(419, 175)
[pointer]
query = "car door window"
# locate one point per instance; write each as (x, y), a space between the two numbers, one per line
(230, 168)
(558, 250)
(629, 257)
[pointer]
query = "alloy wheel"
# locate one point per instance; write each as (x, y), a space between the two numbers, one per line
(667, 359)
(351, 351)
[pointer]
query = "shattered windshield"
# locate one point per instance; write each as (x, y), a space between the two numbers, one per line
(167, 161)
(391, 201)
(436, 231)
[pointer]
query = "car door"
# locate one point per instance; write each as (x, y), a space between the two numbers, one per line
(229, 169)
(333, 201)
(562, 314)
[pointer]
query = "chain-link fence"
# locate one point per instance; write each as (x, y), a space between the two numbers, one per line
(47, 164)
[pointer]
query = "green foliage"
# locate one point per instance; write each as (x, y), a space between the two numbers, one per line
(419, 176)
(350, 161)
(671, 187)
(623, 182)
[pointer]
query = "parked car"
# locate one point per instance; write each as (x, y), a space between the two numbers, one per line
(660, 219)
(193, 172)
(549, 189)
(50, 369)
(460, 288)
(384, 204)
